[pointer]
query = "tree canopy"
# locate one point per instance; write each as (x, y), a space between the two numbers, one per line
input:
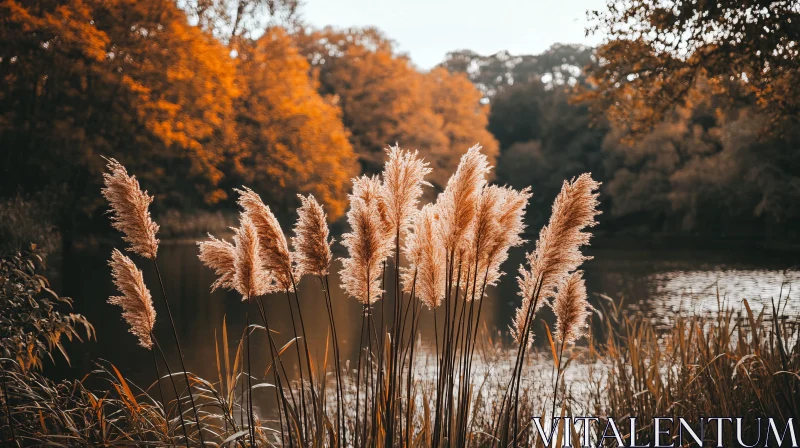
(657, 51)
(385, 100)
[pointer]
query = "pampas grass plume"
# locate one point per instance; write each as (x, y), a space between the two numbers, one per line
(571, 308)
(312, 247)
(274, 252)
(557, 250)
(403, 179)
(249, 279)
(368, 243)
(457, 203)
(497, 228)
(130, 212)
(425, 252)
(136, 302)
(220, 256)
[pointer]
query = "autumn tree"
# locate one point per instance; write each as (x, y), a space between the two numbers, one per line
(460, 120)
(706, 170)
(292, 139)
(384, 99)
(124, 79)
(657, 51)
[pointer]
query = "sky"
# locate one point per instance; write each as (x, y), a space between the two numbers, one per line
(427, 29)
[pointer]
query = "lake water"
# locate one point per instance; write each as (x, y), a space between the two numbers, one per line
(658, 283)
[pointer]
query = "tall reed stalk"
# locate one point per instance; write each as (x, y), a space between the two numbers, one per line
(131, 216)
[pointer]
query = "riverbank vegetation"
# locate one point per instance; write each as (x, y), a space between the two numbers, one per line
(735, 363)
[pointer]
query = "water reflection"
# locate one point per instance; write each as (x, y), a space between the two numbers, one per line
(656, 284)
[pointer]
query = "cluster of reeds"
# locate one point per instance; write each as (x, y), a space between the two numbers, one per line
(442, 256)
(734, 363)
(438, 258)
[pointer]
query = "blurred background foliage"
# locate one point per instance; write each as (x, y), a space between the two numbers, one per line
(690, 129)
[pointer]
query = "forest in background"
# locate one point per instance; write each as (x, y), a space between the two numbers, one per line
(695, 134)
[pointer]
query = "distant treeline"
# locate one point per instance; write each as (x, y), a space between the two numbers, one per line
(199, 97)
(716, 164)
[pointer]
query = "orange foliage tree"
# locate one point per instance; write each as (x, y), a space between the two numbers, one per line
(384, 99)
(293, 139)
(120, 78)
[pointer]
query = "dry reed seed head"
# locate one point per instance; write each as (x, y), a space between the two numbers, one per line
(478, 239)
(425, 252)
(368, 243)
(498, 227)
(571, 308)
(457, 201)
(250, 278)
(371, 191)
(312, 247)
(557, 250)
(403, 178)
(274, 251)
(136, 302)
(220, 256)
(130, 212)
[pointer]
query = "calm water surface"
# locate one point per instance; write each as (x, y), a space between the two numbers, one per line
(658, 284)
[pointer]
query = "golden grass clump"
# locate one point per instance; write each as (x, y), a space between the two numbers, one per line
(368, 243)
(250, 279)
(403, 179)
(136, 302)
(571, 308)
(312, 246)
(274, 252)
(130, 210)
(425, 252)
(220, 256)
(457, 203)
(557, 250)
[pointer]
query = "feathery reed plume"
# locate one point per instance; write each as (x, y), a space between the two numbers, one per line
(136, 302)
(250, 279)
(571, 308)
(368, 243)
(274, 254)
(557, 250)
(424, 250)
(457, 202)
(220, 256)
(312, 248)
(276, 261)
(129, 208)
(402, 184)
(371, 191)
(510, 224)
(498, 225)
